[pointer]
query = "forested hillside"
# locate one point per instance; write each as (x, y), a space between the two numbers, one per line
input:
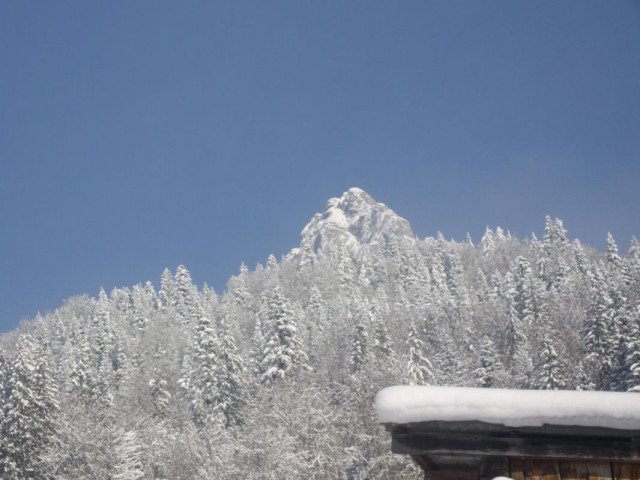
(275, 377)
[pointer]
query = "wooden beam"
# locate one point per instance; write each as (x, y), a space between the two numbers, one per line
(448, 467)
(550, 447)
(484, 428)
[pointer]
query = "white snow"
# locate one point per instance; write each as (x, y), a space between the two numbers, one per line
(512, 408)
(353, 220)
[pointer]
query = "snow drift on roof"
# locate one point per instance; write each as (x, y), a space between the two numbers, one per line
(512, 408)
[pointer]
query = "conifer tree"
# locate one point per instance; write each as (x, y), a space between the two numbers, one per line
(160, 395)
(382, 345)
(597, 336)
(244, 270)
(282, 353)
(487, 372)
(188, 304)
(548, 238)
(103, 343)
(633, 364)
(359, 347)
(168, 295)
(316, 319)
(307, 257)
(621, 333)
(5, 441)
(203, 377)
(517, 352)
(560, 233)
(631, 272)
(231, 387)
(419, 368)
(29, 410)
(634, 249)
(487, 243)
(522, 292)
(613, 258)
(145, 302)
(550, 374)
(83, 381)
(580, 258)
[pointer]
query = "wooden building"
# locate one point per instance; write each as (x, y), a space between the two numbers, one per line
(471, 434)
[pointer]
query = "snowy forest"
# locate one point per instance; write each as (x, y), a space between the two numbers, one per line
(274, 378)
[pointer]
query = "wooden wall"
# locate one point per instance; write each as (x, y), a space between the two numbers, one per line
(534, 469)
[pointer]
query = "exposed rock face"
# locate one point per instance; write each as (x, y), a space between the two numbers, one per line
(353, 220)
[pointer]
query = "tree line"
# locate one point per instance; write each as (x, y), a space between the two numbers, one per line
(275, 377)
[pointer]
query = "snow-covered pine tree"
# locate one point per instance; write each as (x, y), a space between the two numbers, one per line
(580, 258)
(307, 257)
(516, 347)
(231, 386)
(5, 461)
(621, 331)
(282, 352)
(612, 255)
(316, 319)
(103, 343)
(521, 292)
(555, 235)
(160, 395)
(633, 363)
(83, 383)
(550, 375)
(188, 305)
(145, 302)
(487, 242)
(359, 347)
(597, 337)
(631, 272)
(488, 370)
(382, 345)
(272, 262)
(419, 368)
(203, 372)
(29, 410)
(168, 295)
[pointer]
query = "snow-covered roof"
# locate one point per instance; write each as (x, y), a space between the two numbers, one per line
(512, 408)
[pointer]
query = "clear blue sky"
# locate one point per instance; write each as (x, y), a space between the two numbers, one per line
(140, 135)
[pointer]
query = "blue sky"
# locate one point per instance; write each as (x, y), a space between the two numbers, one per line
(141, 135)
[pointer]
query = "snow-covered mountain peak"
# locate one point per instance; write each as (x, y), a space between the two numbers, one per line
(352, 220)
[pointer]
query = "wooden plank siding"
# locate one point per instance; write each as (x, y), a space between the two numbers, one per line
(587, 470)
(492, 467)
(626, 471)
(544, 469)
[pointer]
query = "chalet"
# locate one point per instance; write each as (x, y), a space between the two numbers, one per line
(477, 434)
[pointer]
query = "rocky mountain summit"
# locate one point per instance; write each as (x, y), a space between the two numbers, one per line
(353, 220)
